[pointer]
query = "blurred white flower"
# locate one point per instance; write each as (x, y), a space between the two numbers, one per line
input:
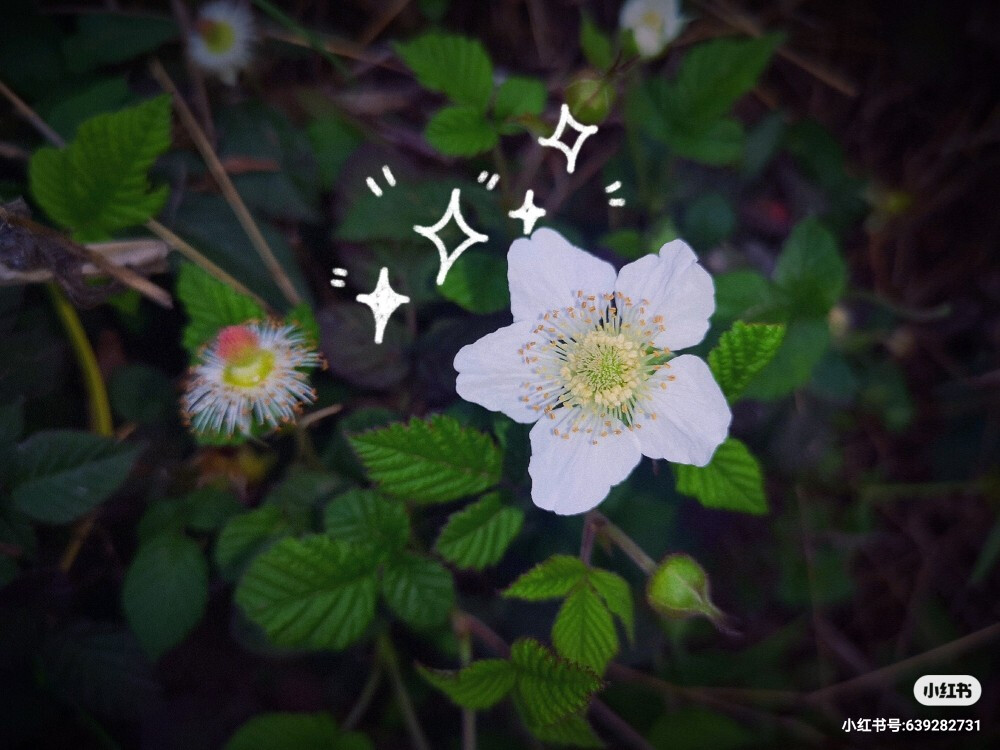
(654, 23)
(587, 360)
(249, 375)
(222, 37)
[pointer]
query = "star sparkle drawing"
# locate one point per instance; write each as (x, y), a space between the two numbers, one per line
(528, 213)
(583, 133)
(472, 237)
(383, 301)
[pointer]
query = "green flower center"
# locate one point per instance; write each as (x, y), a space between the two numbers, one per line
(249, 368)
(603, 370)
(217, 35)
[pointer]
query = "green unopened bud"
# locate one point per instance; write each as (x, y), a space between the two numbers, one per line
(678, 588)
(590, 96)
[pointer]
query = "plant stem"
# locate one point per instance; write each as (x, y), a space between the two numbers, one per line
(624, 542)
(465, 658)
(225, 184)
(587, 536)
(290, 23)
(364, 697)
(32, 117)
(387, 653)
(97, 397)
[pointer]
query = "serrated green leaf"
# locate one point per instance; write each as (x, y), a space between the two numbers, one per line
(583, 630)
(810, 268)
(460, 130)
(805, 342)
(456, 66)
(551, 579)
(478, 283)
(363, 517)
(617, 595)
(519, 96)
(248, 534)
(310, 593)
(165, 592)
(429, 461)
(98, 184)
(419, 590)
(742, 352)
(482, 684)
(595, 44)
(478, 535)
(574, 730)
(210, 306)
(549, 689)
(62, 474)
(718, 143)
(747, 295)
(295, 731)
(731, 481)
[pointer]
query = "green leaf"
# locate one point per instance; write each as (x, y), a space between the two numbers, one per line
(595, 44)
(732, 480)
(617, 595)
(310, 593)
(460, 130)
(519, 96)
(165, 592)
(456, 66)
(584, 631)
(478, 535)
(419, 590)
(805, 342)
(210, 306)
(295, 731)
(363, 517)
(810, 268)
(98, 184)
(62, 474)
(548, 689)
(429, 461)
(573, 730)
(742, 352)
(105, 38)
(714, 74)
(718, 143)
(551, 579)
(478, 283)
(480, 685)
(333, 141)
(748, 295)
(248, 534)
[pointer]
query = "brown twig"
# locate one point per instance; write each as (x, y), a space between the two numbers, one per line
(624, 542)
(225, 184)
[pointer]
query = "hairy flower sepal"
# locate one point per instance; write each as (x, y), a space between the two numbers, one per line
(249, 380)
(589, 358)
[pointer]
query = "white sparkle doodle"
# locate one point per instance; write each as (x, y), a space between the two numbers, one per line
(528, 213)
(583, 133)
(494, 179)
(471, 236)
(339, 283)
(383, 302)
(373, 186)
(617, 202)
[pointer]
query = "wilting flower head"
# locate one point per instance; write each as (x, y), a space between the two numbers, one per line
(221, 38)
(654, 23)
(249, 374)
(587, 360)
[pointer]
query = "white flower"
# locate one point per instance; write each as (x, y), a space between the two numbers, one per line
(654, 23)
(222, 37)
(585, 360)
(249, 375)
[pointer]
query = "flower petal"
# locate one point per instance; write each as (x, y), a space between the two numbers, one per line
(546, 272)
(572, 475)
(692, 416)
(492, 372)
(677, 288)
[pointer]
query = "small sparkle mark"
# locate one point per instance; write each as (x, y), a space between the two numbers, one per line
(373, 186)
(494, 179)
(383, 302)
(471, 236)
(528, 213)
(583, 131)
(339, 283)
(617, 202)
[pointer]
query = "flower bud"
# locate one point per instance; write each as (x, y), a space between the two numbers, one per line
(590, 96)
(678, 588)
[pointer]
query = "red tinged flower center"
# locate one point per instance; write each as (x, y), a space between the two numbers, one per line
(247, 364)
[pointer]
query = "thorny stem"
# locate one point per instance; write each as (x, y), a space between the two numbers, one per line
(152, 225)
(624, 542)
(388, 656)
(97, 396)
(225, 184)
(364, 697)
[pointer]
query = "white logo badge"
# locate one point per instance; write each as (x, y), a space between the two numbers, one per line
(947, 690)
